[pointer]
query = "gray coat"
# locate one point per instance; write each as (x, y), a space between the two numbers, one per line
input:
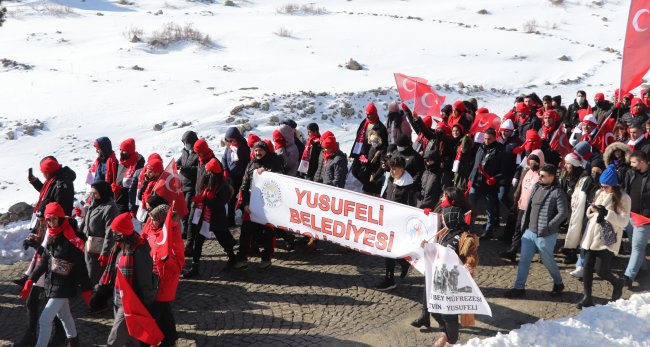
(553, 212)
(97, 223)
(334, 172)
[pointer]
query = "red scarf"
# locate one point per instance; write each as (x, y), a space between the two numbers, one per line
(546, 132)
(634, 112)
(130, 165)
(330, 152)
(201, 205)
(111, 168)
(42, 193)
(68, 233)
(361, 136)
(206, 158)
(306, 154)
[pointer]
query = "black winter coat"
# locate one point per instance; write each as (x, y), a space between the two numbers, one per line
(414, 164)
(61, 190)
(491, 158)
(379, 127)
(403, 194)
(629, 119)
(200, 172)
(236, 168)
(644, 194)
(314, 157)
(126, 200)
(145, 283)
(188, 163)
(334, 171)
(97, 223)
(532, 122)
(572, 119)
(217, 207)
(58, 285)
(431, 189)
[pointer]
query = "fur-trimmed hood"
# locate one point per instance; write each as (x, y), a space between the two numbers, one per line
(609, 152)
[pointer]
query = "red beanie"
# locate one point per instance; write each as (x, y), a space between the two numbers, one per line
(371, 110)
(482, 110)
(155, 165)
(599, 97)
(214, 166)
(459, 105)
(269, 145)
(53, 209)
(123, 224)
(128, 146)
(636, 101)
(277, 136)
(553, 114)
(49, 166)
(521, 107)
(253, 139)
(200, 146)
(153, 156)
(328, 140)
(532, 135)
(629, 96)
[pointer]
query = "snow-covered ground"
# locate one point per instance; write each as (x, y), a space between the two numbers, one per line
(79, 81)
(11, 243)
(621, 323)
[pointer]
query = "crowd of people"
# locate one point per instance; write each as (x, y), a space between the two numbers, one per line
(593, 189)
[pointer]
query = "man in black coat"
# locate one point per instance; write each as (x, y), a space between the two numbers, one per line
(235, 159)
(637, 141)
(485, 176)
(59, 186)
(414, 161)
(572, 118)
(187, 165)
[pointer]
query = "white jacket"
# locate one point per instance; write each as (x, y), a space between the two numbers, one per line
(576, 222)
(619, 219)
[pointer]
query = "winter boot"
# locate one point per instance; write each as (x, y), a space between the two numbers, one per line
(232, 260)
(510, 254)
(618, 289)
(585, 302)
(423, 321)
(73, 342)
(192, 272)
(189, 249)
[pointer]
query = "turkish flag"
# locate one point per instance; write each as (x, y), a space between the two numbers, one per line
(139, 322)
(427, 101)
(560, 141)
(406, 85)
(170, 188)
(605, 134)
(468, 217)
(484, 121)
(637, 46)
(639, 220)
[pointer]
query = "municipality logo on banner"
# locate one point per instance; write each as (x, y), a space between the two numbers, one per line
(450, 287)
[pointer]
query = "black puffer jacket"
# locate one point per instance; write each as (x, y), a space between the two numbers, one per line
(414, 164)
(334, 171)
(126, 200)
(431, 188)
(572, 118)
(59, 249)
(61, 190)
(402, 191)
(271, 162)
(217, 206)
(145, 282)
(491, 159)
(188, 162)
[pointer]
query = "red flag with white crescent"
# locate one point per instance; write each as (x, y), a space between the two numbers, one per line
(139, 322)
(427, 101)
(162, 244)
(560, 141)
(637, 46)
(406, 85)
(605, 134)
(170, 188)
(484, 121)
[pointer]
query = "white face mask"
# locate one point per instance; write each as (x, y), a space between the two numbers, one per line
(189, 147)
(580, 99)
(401, 149)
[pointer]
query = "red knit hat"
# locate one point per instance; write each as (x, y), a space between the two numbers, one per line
(200, 146)
(553, 114)
(153, 156)
(214, 166)
(155, 165)
(277, 136)
(636, 101)
(629, 96)
(53, 209)
(428, 121)
(328, 140)
(49, 166)
(122, 224)
(128, 146)
(522, 107)
(253, 139)
(599, 97)
(459, 105)
(482, 110)
(532, 135)
(269, 145)
(371, 110)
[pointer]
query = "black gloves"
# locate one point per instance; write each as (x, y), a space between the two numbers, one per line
(602, 213)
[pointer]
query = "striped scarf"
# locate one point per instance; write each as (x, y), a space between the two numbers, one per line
(125, 264)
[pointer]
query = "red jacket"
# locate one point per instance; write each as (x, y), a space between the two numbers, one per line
(169, 270)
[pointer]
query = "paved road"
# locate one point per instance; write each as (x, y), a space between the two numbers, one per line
(321, 298)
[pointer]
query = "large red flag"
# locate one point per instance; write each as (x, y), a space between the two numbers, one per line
(605, 134)
(560, 141)
(169, 187)
(139, 322)
(637, 46)
(406, 85)
(639, 220)
(162, 244)
(484, 121)
(427, 101)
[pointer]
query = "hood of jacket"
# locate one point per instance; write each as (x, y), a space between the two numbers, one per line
(233, 133)
(189, 137)
(105, 147)
(609, 152)
(287, 133)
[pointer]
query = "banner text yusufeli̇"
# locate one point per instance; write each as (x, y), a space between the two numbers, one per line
(347, 230)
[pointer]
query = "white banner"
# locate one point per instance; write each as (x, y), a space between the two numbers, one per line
(357, 221)
(450, 287)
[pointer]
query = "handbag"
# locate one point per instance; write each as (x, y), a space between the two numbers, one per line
(94, 245)
(607, 234)
(61, 267)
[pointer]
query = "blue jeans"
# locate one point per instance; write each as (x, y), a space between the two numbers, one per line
(640, 237)
(55, 307)
(491, 196)
(530, 243)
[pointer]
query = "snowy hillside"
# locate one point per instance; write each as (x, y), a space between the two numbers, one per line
(73, 70)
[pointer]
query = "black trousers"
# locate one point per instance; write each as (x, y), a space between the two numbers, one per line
(235, 182)
(185, 222)
(390, 266)
(164, 316)
(196, 240)
(449, 324)
(251, 232)
(516, 232)
(601, 261)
